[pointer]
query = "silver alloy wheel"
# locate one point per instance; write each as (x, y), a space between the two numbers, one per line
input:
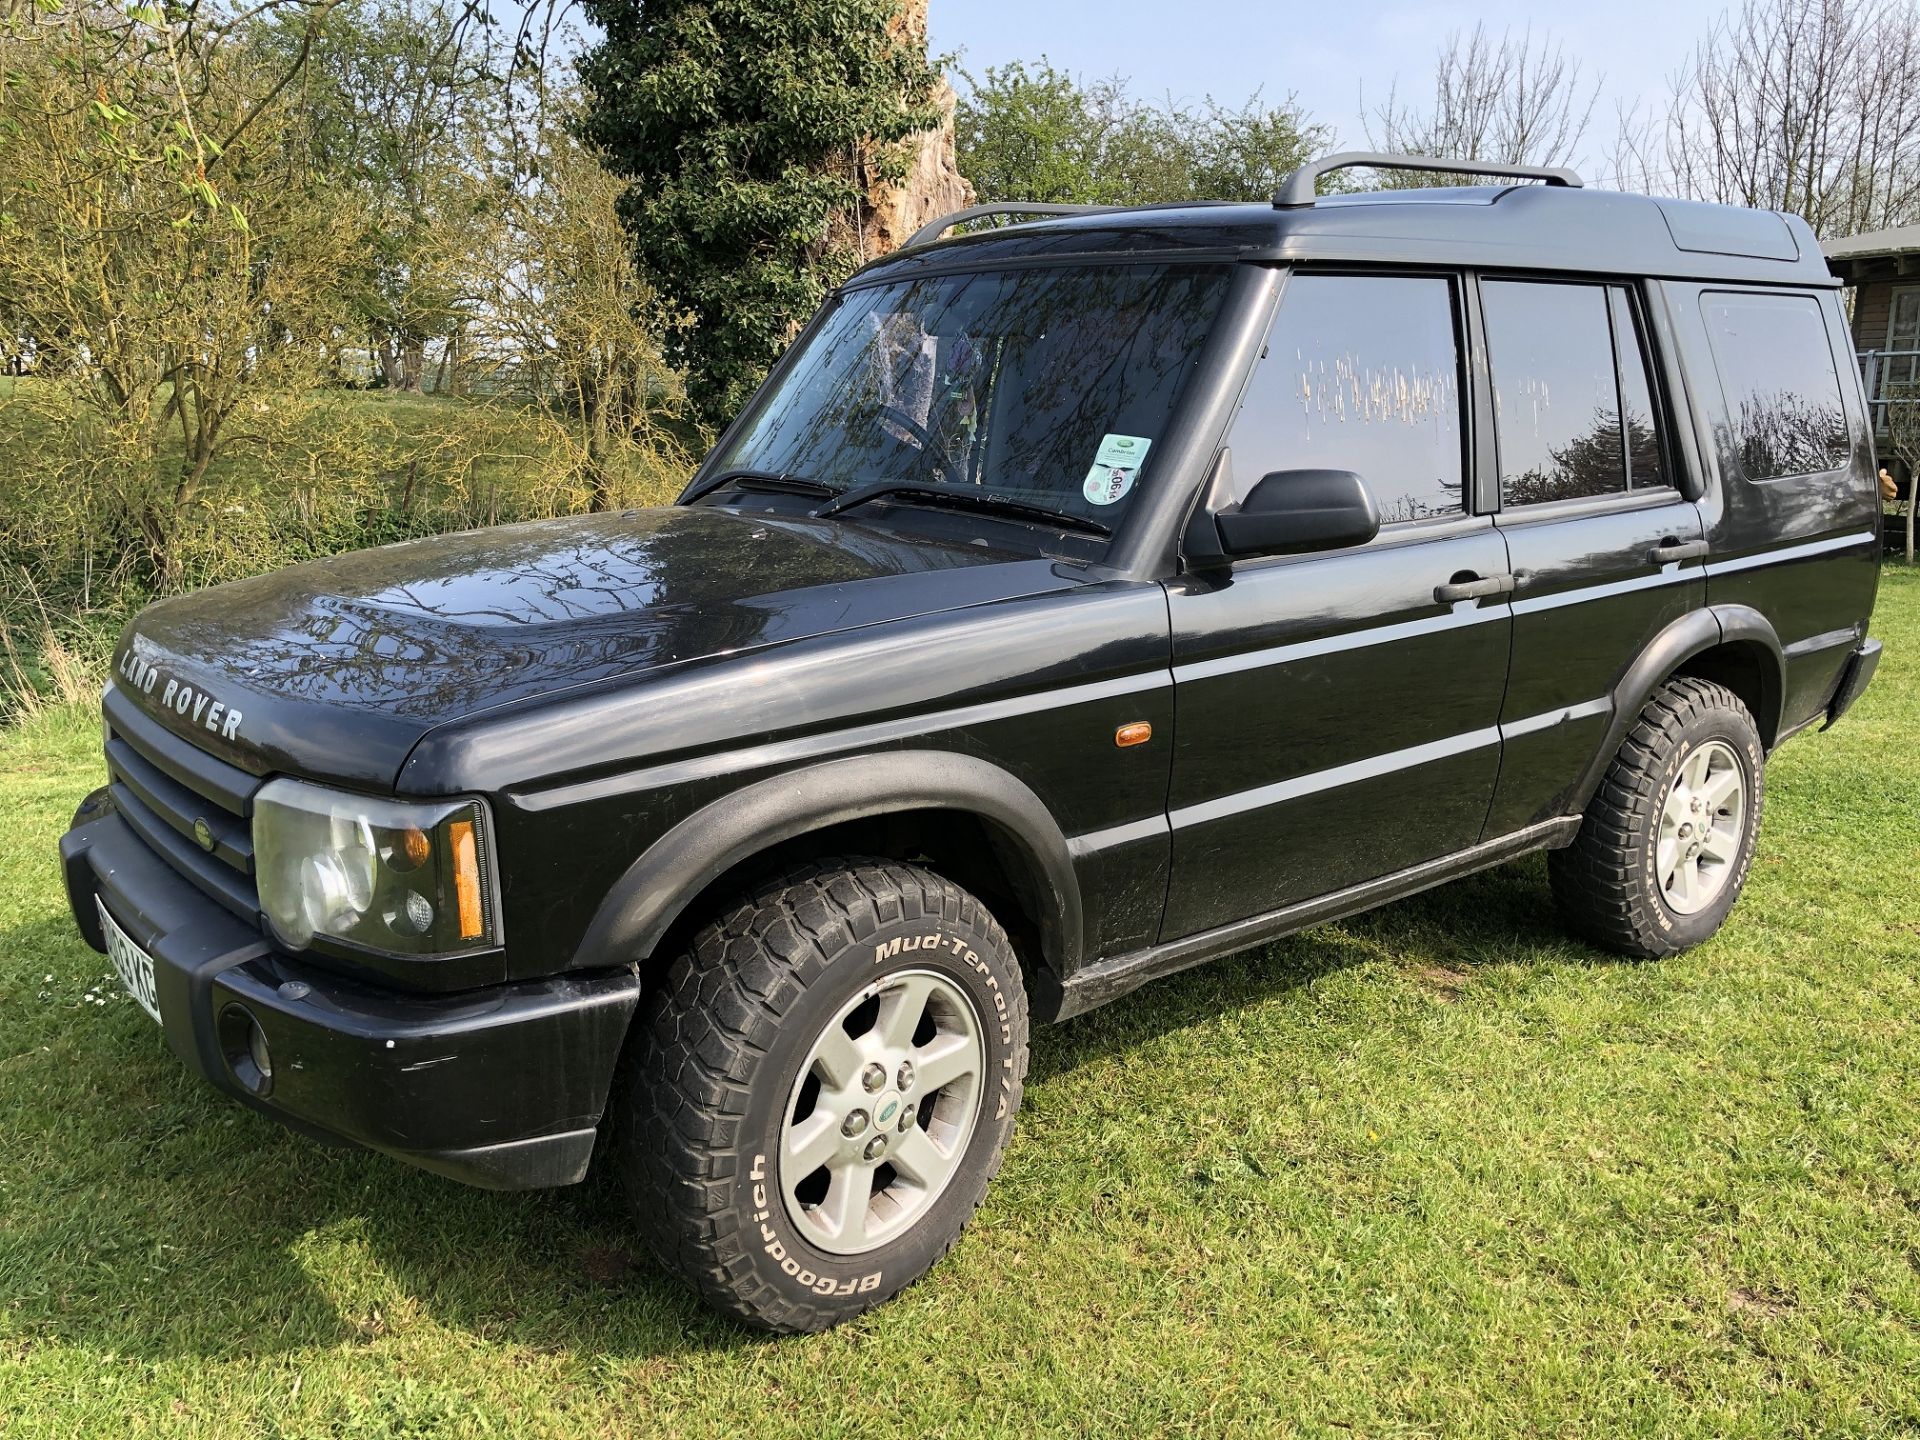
(882, 1111)
(1702, 822)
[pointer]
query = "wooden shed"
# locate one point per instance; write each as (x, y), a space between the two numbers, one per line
(1883, 267)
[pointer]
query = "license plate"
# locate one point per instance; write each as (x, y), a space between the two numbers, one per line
(133, 963)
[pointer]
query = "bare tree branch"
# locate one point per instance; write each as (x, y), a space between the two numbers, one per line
(1804, 106)
(1508, 102)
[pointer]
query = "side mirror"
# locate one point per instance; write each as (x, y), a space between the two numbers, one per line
(1291, 511)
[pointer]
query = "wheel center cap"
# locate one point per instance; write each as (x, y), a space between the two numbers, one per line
(886, 1109)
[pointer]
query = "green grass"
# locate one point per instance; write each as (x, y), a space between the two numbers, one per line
(1437, 1170)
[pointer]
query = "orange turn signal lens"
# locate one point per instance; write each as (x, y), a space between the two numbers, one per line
(1138, 733)
(466, 879)
(412, 848)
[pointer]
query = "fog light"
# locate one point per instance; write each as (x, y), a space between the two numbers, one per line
(245, 1045)
(419, 912)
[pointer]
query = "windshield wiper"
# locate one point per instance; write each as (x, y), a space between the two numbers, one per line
(763, 481)
(913, 490)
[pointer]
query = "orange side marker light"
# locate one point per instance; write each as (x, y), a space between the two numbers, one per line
(466, 879)
(1138, 733)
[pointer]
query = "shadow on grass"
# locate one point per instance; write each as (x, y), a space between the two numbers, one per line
(151, 1216)
(1495, 917)
(148, 1216)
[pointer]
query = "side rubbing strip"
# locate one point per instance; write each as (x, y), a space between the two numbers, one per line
(1793, 552)
(1547, 719)
(1669, 575)
(1319, 780)
(1467, 612)
(855, 737)
(1830, 640)
(1095, 841)
(1368, 769)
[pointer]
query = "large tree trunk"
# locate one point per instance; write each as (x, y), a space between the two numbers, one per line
(389, 362)
(932, 185)
(413, 366)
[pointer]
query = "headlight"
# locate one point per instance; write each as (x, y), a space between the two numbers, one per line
(407, 877)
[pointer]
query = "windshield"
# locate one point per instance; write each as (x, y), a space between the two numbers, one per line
(1049, 386)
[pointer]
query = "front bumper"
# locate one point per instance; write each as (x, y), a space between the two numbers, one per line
(501, 1087)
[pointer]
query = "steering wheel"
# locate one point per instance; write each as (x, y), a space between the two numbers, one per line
(929, 447)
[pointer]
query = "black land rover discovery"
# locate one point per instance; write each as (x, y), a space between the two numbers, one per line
(1077, 601)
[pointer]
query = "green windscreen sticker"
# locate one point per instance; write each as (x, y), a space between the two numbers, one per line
(1127, 452)
(1115, 465)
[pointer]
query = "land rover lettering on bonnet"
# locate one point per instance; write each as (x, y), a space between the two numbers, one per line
(195, 706)
(735, 844)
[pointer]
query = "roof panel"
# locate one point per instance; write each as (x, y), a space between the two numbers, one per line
(1495, 226)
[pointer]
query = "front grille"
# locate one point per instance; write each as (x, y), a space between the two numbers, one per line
(162, 785)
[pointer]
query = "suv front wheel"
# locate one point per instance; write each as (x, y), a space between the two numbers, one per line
(826, 1082)
(1668, 838)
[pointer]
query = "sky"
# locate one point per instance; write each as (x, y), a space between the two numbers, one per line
(1327, 55)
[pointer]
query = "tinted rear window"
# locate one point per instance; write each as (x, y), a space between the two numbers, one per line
(1556, 393)
(1571, 392)
(1777, 372)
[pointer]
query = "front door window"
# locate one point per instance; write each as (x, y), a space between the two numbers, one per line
(1361, 373)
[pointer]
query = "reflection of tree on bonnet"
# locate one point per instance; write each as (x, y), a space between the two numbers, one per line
(502, 614)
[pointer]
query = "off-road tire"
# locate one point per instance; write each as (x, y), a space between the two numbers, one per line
(1606, 882)
(721, 1044)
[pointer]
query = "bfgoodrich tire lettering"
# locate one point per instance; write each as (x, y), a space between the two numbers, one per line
(721, 1057)
(1612, 882)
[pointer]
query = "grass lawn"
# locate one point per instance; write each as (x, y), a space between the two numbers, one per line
(1437, 1170)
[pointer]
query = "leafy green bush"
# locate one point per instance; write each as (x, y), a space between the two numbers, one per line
(304, 475)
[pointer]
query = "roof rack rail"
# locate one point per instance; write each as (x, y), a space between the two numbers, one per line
(934, 229)
(1297, 189)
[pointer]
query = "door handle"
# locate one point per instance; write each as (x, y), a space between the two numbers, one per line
(1469, 586)
(1671, 551)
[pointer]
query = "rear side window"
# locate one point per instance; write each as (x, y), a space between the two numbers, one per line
(1782, 391)
(1361, 373)
(1572, 395)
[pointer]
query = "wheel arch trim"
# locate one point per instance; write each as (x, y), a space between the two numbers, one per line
(1745, 626)
(1688, 637)
(678, 867)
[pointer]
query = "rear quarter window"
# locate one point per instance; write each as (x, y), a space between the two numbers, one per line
(1781, 386)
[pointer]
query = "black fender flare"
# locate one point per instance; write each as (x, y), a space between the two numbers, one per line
(673, 871)
(1692, 634)
(1742, 624)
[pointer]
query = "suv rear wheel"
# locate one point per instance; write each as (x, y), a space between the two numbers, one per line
(1669, 836)
(825, 1084)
